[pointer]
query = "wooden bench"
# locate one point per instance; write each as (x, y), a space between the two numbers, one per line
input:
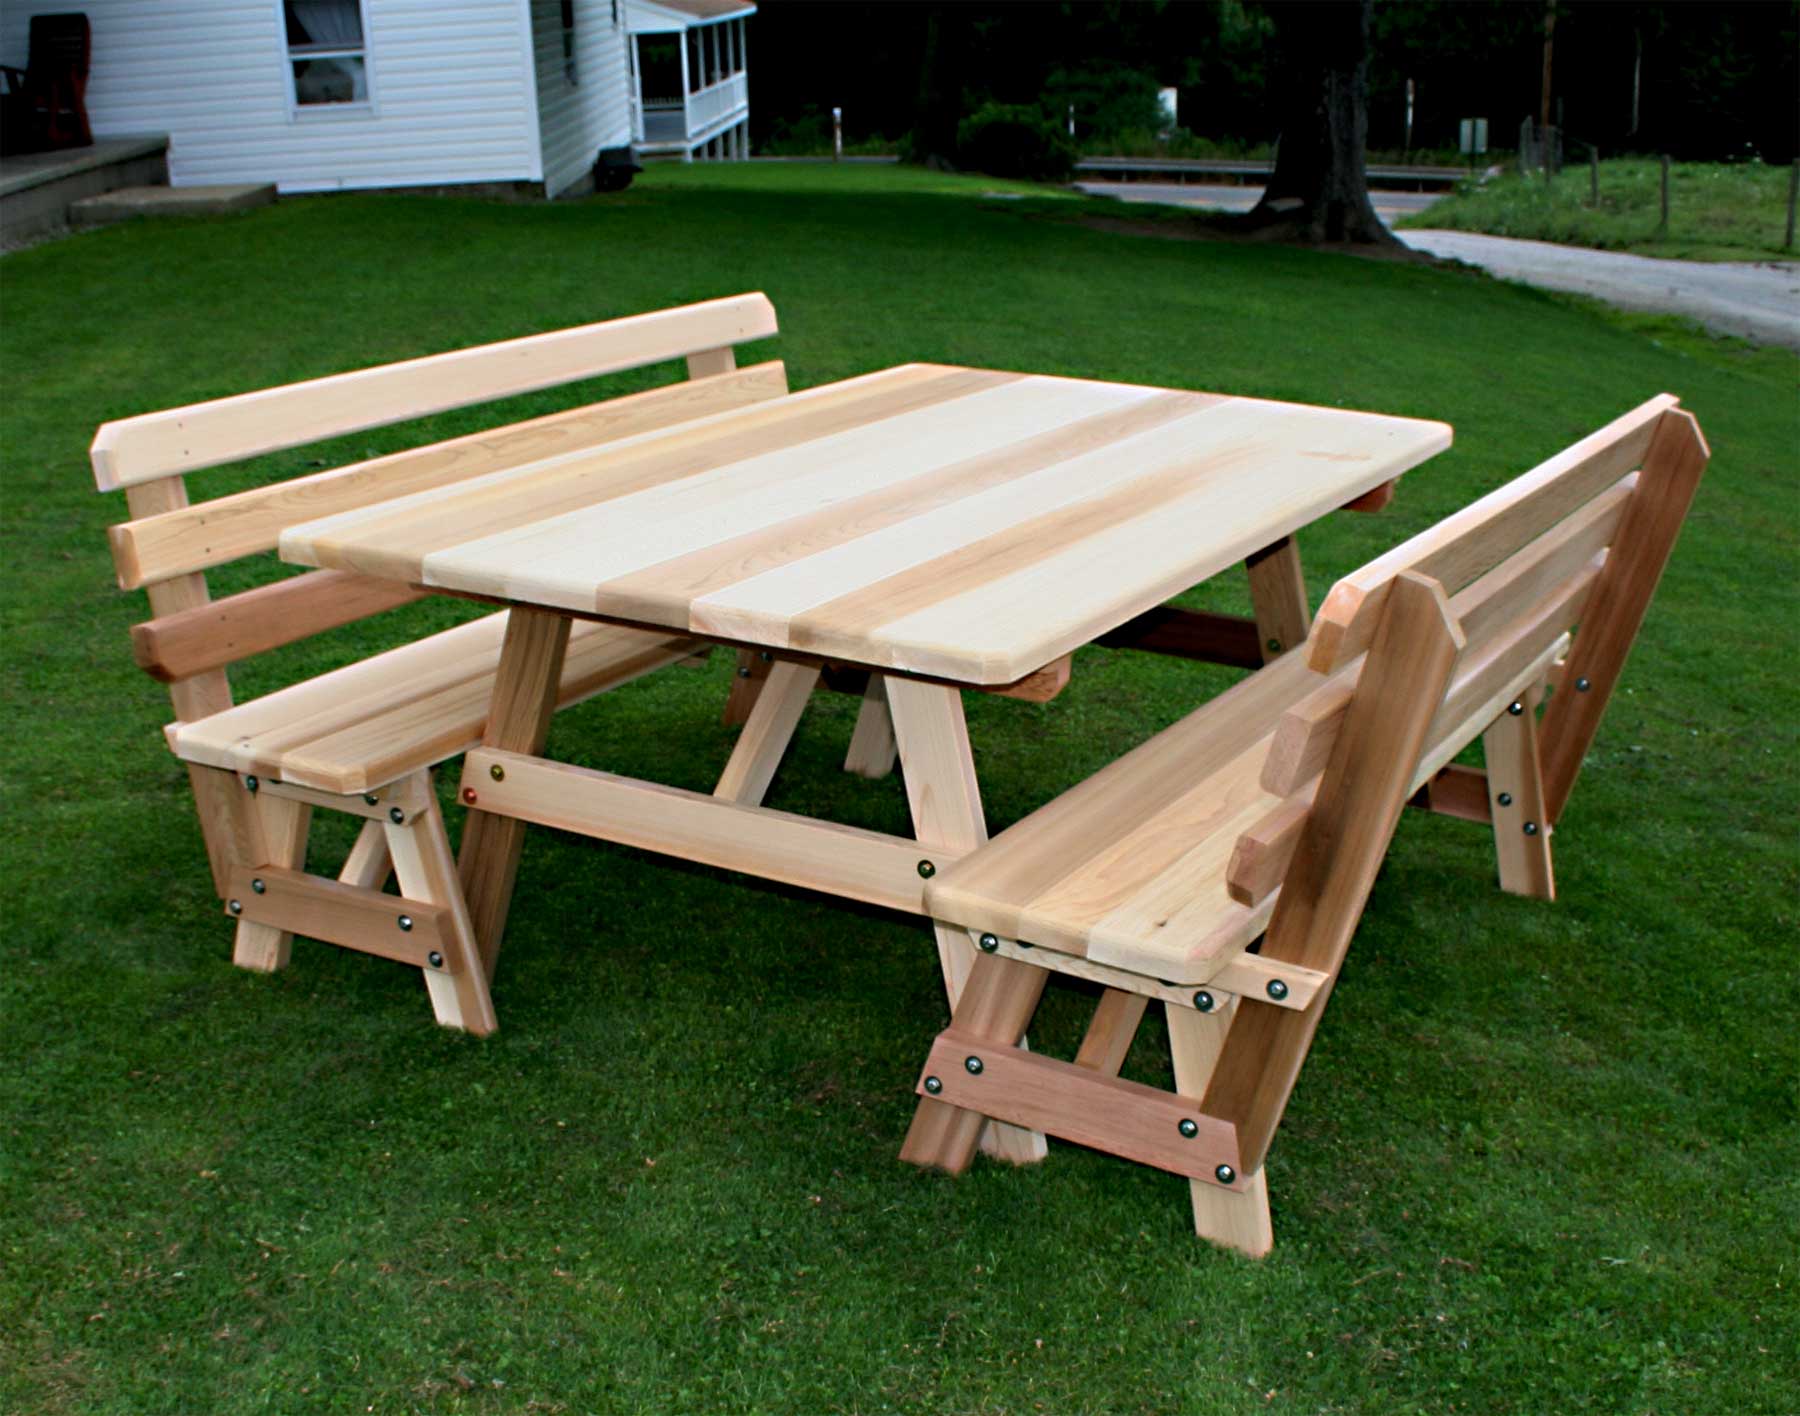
(363, 739)
(1265, 815)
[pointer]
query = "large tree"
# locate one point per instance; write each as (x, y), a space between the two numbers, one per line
(1320, 188)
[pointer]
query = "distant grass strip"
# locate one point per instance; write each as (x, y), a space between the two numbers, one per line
(1717, 211)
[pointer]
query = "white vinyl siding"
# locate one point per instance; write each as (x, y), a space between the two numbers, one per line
(452, 93)
(577, 119)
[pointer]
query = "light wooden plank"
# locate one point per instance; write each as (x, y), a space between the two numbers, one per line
(1110, 1033)
(395, 537)
(369, 864)
(263, 943)
(1672, 469)
(774, 845)
(131, 450)
(1123, 1118)
(223, 632)
(873, 748)
(1242, 974)
(420, 850)
(1481, 535)
(226, 528)
(292, 902)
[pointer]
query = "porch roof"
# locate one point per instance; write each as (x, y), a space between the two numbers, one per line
(675, 16)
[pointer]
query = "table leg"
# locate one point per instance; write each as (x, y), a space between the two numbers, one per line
(1278, 595)
(768, 732)
(746, 683)
(872, 748)
(946, 809)
(525, 686)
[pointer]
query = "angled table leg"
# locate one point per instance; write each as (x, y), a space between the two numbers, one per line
(746, 683)
(283, 826)
(773, 718)
(946, 810)
(872, 750)
(420, 852)
(1278, 596)
(525, 686)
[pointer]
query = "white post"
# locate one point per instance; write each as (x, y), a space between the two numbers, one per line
(837, 134)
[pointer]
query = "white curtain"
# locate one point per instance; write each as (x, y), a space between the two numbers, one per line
(333, 22)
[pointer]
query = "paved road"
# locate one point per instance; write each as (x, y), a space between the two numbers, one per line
(1759, 301)
(1756, 301)
(1221, 196)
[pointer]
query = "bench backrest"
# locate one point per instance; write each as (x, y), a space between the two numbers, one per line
(1421, 650)
(169, 543)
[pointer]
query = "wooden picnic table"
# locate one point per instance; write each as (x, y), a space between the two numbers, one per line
(947, 528)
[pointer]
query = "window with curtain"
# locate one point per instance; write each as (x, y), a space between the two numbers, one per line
(326, 48)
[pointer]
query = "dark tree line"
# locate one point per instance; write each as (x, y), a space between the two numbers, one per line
(1701, 79)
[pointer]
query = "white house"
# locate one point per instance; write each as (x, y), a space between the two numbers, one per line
(322, 95)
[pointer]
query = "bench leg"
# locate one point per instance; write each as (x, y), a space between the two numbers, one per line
(525, 688)
(1232, 1219)
(1278, 597)
(945, 799)
(1110, 1034)
(995, 1004)
(872, 751)
(767, 733)
(1515, 784)
(420, 849)
(370, 862)
(746, 684)
(283, 826)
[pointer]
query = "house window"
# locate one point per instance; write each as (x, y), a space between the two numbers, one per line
(326, 51)
(568, 40)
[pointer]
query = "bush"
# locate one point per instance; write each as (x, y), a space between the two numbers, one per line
(1005, 140)
(1109, 100)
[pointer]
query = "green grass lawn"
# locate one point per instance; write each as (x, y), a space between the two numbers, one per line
(1543, 1159)
(1717, 211)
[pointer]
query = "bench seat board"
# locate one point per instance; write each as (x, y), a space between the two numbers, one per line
(373, 722)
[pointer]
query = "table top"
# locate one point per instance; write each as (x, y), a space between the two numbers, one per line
(961, 523)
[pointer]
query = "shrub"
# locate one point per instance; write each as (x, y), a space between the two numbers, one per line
(1005, 140)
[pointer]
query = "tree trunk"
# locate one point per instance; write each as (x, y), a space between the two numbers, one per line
(1320, 188)
(939, 109)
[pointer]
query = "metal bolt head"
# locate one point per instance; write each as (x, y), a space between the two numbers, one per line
(497, 772)
(405, 923)
(235, 906)
(1277, 989)
(743, 673)
(1582, 685)
(435, 959)
(766, 657)
(934, 1085)
(369, 798)
(1274, 646)
(468, 796)
(1224, 1174)
(1204, 1001)
(1505, 798)
(1515, 709)
(926, 870)
(396, 815)
(258, 886)
(1531, 828)
(1189, 1128)
(972, 1065)
(988, 943)
(251, 784)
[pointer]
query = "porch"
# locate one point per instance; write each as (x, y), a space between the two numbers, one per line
(690, 78)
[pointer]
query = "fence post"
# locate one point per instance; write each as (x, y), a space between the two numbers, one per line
(1793, 192)
(1593, 176)
(1663, 230)
(837, 135)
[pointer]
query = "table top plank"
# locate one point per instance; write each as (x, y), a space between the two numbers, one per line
(962, 523)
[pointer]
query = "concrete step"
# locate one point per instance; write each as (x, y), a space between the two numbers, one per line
(128, 202)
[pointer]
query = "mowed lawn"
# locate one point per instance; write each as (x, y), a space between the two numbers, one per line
(1542, 1160)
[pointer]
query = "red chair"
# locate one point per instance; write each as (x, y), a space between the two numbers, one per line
(46, 100)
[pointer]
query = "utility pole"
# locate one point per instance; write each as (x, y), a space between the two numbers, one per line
(1549, 44)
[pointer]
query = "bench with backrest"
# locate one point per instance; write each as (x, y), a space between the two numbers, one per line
(364, 738)
(1222, 866)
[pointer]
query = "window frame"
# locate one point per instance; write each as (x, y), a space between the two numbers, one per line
(316, 112)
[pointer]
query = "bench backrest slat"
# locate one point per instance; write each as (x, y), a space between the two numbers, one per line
(1466, 545)
(152, 445)
(215, 532)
